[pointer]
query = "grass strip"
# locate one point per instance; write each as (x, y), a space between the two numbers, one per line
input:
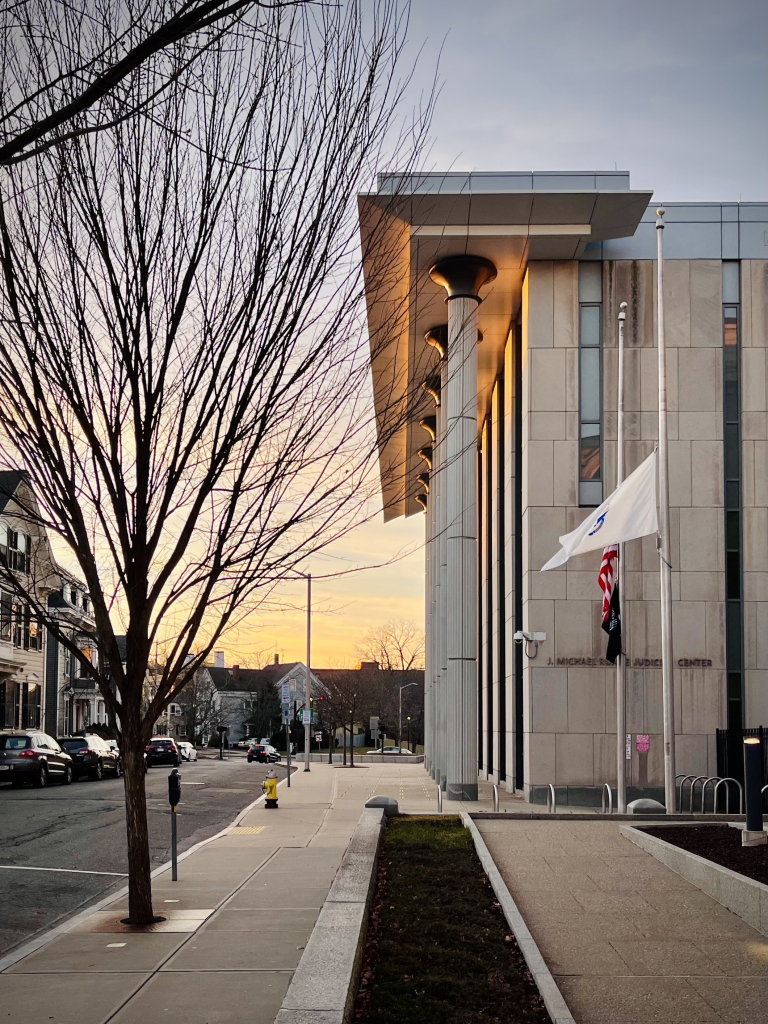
(438, 948)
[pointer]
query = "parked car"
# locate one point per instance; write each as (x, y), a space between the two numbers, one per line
(395, 750)
(263, 753)
(188, 752)
(33, 756)
(163, 750)
(245, 743)
(92, 756)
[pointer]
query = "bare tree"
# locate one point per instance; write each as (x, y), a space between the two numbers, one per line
(62, 61)
(184, 362)
(398, 645)
(349, 696)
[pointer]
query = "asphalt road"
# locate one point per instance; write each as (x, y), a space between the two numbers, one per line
(81, 828)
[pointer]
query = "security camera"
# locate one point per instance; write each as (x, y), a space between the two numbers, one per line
(523, 636)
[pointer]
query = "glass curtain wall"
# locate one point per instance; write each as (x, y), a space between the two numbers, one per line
(590, 377)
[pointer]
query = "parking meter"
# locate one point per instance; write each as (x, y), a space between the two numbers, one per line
(174, 788)
(174, 796)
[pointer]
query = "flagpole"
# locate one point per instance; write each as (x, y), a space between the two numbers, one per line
(665, 567)
(621, 708)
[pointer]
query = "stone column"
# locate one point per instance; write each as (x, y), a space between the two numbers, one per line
(426, 500)
(437, 337)
(462, 277)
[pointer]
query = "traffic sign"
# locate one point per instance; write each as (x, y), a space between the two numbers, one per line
(286, 712)
(306, 717)
(285, 695)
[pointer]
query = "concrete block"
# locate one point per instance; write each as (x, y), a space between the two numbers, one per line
(388, 803)
(645, 806)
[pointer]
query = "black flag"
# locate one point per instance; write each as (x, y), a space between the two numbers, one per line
(612, 626)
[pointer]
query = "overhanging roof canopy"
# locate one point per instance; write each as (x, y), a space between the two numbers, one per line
(510, 218)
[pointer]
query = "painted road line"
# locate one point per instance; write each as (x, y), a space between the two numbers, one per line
(66, 871)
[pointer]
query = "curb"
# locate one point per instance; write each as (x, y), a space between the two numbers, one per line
(324, 985)
(32, 945)
(553, 998)
(745, 897)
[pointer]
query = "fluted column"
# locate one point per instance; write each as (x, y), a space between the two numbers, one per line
(426, 498)
(462, 277)
(437, 337)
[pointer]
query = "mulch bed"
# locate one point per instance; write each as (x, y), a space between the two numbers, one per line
(720, 844)
(438, 948)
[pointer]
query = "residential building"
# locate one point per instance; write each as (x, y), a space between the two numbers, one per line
(73, 701)
(493, 318)
(230, 696)
(25, 555)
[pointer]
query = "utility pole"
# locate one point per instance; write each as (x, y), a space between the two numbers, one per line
(621, 661)
(665, 567)
(308, 705)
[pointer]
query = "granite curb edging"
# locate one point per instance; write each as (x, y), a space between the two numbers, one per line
(324, 984)
(745, 897)
(554, 1002)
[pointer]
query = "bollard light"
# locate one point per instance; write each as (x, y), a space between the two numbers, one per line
(753, 834)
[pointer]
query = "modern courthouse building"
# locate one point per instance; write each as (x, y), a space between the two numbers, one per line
(492, 311)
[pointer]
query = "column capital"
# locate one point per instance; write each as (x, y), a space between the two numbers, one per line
(429, 423)
(437, 337)
(463, 276)
(432, 387)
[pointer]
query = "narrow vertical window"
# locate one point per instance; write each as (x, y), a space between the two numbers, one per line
(732, 468)
(590, 383)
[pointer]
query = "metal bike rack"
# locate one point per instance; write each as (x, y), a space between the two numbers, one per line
(728, 795)
(685, 778)
(606, 788)
(439, 799)
(692, 794)
(713, 779)
(551, 799)
(495, 799)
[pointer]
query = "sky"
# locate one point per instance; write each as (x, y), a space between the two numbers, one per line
(675, 92)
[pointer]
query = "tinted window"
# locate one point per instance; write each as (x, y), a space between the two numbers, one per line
(74, 744)
(15, 742)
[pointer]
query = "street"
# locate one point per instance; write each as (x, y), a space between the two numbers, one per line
(81, 828)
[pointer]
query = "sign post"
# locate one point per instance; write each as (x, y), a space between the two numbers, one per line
(286, 720)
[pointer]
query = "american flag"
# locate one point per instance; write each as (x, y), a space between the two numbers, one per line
(606, 577)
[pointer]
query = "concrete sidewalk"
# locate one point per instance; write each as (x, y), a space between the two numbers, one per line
(237, 922)
(626, 938)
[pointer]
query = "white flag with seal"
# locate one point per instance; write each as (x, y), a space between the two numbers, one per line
(630, 512)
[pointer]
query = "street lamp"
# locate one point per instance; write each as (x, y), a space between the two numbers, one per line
(400, 716)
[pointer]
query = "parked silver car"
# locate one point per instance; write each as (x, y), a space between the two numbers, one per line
(188, 752)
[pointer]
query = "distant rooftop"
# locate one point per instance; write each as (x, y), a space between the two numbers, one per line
(460, 182)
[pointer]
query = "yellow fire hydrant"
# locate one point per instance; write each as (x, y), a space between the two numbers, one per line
(269, 785)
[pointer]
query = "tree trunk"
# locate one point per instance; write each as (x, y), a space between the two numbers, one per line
(351, 742)
(344, 740)
(331, 743)
(139, 882)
